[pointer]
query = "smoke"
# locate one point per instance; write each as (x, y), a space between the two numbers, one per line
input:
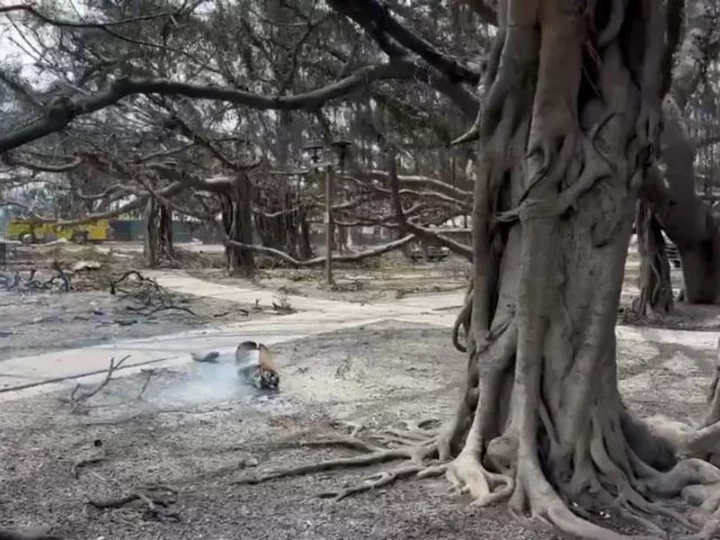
(205, 383)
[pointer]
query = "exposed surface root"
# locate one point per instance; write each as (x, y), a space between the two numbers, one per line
(374, 481)
(373, 458)
(7, 534)
(416, 443)
(157, 499)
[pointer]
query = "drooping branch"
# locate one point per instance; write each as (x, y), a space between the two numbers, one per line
(383, 21)
(457, 192)
(138, 202)
(407, 226)
(14, 161)
(63, 111)
(31, 10)
(319, 261)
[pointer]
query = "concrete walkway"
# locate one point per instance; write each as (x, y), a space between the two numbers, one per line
(26, 376)
(181, 282)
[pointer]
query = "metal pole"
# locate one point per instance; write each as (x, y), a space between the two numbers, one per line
(329, 223)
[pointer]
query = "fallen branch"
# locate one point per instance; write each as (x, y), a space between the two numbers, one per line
(77, 400)
(80, 463)
(163, 308)
(8, 534)
(231, 311)
(149, 373)
(157, 505)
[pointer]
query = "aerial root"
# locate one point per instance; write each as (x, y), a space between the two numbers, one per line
(559, 516)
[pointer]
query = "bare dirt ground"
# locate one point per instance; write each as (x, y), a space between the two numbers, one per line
(37, 320)
(197, 430)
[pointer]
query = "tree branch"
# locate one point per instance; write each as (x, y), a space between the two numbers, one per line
(484, 10)
(27, 8)
(63, 111)
(12, 161)
(422, 233)
(383, 21)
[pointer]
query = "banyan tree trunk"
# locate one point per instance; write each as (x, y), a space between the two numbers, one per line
(567, 131)
(686, 219)
(305, 248)
(238, 225)
(656, 294)
(158, 242)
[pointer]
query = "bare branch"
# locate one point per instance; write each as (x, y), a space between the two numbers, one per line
(319, 261)
(27, 8)
(484, 10)
(78, 399)
(422, 233)
(11, 160)
(63, 111)
(383, 20)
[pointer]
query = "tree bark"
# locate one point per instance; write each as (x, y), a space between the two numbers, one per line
(238, 225)
(656, 294)
(541, 422)
(158, 242)
(686, 218)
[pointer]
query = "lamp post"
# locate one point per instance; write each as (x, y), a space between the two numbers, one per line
(314, 149)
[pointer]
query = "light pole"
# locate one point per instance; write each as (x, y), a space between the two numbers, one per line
(341, 148)
(315, 149)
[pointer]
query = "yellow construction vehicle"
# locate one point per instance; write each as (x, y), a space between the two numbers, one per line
(32, 232)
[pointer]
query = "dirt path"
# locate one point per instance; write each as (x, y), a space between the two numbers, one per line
(30, 375)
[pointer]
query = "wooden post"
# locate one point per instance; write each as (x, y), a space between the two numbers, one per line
(329, 223)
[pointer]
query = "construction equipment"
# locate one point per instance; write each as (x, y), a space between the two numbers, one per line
(32, 232)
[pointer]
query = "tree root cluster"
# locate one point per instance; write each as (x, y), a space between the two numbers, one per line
(613, 478)
(416, 442)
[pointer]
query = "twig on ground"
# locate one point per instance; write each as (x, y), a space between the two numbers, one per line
(80, 463)
(163, 308)
(231, 311)
(151, 296)
(149, 373)
(61, 274)
(77, 400)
